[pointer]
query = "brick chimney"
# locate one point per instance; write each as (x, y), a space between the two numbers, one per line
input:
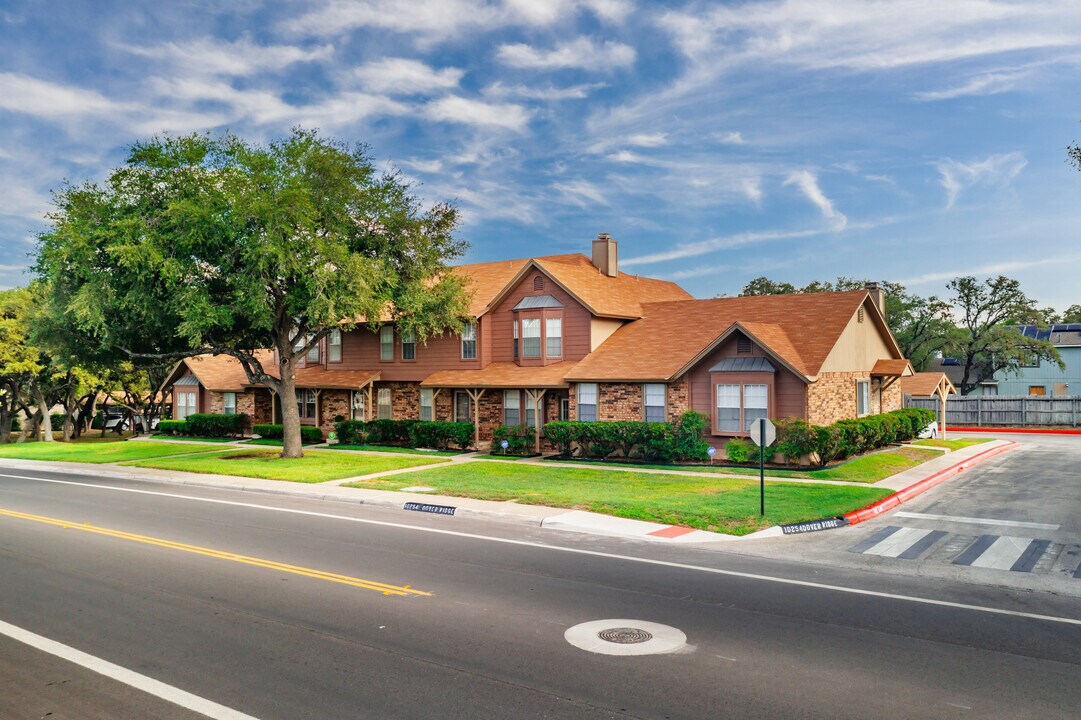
(877, 296)
(606, 255)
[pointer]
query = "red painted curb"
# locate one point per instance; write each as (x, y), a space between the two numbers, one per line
(1024, 431)
(904, 495)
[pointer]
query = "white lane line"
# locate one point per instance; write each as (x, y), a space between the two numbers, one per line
(1003, 553)
(128, 677)
(590, 553)
(898, 542)
(977, 521)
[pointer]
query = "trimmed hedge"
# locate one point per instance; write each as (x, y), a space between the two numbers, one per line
(660, 441)
(172, 427)
(741, 450)
(845, 438)
(521, 439)
(416, 433)
(214, 425)
(308, 433)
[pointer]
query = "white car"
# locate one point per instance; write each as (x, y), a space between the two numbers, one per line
(931, 431)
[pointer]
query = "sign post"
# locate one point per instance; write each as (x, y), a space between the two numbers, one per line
(504, 444)
(711, 451)
(762, 433)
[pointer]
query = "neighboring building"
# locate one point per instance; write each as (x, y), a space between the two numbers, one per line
(571, 337)
(1045, 377)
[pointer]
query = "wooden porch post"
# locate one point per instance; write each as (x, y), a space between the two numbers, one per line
(273, 407)
(536, 398)
(943, 393)
(435, 394)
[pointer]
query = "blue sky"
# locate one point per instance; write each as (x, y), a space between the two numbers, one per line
(898, 140)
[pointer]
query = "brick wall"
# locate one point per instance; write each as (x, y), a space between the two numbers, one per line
(331, 404)
(833, 397)
(619, 401)
(678, 398)
(892, 398)
(262, 406)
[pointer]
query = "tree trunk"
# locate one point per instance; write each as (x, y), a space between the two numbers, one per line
(43, 410)
(287, 394)
(5, 425)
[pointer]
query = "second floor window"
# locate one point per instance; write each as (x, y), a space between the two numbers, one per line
(515, 339)
(553, 337)
(386, 343)
(409, 345)
(531, 337)
(334, 346)
(469, 341)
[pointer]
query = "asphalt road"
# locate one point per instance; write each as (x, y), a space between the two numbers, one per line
(224, 596)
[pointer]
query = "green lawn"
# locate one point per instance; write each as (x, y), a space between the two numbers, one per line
(395, 449)
(273, 442)
(99, 451)
(709, 503)
(194, 439)
(499, 456)
(953, 444)
(315, 466)
(867, 469)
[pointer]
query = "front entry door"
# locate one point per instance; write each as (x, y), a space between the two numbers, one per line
(463, 407)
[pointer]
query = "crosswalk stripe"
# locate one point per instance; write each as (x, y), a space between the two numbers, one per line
(1030, 556)
(927, 541)
(874, 539)
(898, 542)
(973, 551)
(1002, 553)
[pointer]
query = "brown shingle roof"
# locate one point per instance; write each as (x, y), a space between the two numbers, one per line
(620, 296)
(924, 384)
(224, 373)
(891, 367)
(502, 375)
(800, 330)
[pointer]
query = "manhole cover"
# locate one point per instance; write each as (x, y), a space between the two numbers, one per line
(625, 635)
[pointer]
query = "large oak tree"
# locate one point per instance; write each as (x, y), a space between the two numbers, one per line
(213, 245)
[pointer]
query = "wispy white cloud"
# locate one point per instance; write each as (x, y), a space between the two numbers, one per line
(582, 53)
(548, 92)
(474, 112)
(648, 139)
(808, 184)
(730, 138)
(987, 270)
(238, 58)
(404, 76)
(987, 84)
(727, 242)
(54, 101)
(581, 193)
(993, 170)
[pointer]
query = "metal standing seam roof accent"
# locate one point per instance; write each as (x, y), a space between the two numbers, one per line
(743, 364)
(187, 380)
(536, 302)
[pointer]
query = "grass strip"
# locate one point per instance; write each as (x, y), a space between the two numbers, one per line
(953, 444)
(99, 452)
(316, 465)
(395, 449)
(723, 505)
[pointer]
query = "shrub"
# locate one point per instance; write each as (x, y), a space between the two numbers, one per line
(740, 450)
(562, 434)
(172, 427)
(56, 422)
(271, 432)
(351, 432)
(214, 425)
(521, 439)
(390, 431)
(441, 434)
(658, 441)
(16, 426)
(687, 442)
(827, 443)
(310, 433)
(795, 438)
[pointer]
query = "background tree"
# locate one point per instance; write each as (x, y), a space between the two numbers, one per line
(202, 245)
(20, 361)
(986, 342)
(1071, 314)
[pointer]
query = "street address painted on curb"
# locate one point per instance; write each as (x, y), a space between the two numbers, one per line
(814, 525)
(425, 507)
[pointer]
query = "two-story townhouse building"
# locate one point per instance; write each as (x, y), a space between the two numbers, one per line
(572, 337)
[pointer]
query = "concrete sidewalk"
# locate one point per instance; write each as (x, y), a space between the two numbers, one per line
(534, 515)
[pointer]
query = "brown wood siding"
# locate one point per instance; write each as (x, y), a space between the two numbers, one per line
(576, 322)
(789, 392)
(360, 351)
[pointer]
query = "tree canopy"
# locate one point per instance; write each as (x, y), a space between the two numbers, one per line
(201, 244)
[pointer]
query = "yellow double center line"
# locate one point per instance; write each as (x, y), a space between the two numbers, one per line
(222, 555)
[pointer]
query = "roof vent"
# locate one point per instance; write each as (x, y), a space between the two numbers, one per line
(743, 345)
(606, 255)
(538, 282)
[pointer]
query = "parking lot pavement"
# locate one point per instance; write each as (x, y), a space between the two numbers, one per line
(1014, 520)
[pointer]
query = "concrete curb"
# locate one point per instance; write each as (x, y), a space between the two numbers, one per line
(904, 495)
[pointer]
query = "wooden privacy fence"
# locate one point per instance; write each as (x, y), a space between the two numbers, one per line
(1005, 410)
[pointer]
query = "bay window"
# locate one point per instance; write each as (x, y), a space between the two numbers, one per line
(755, 404)
(587, 402)
(185, 405)
(728, 407)
(531, 336)
(739, 405)
(553, 337)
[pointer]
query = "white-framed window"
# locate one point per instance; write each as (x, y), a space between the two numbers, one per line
(426, 404)
(755, 404)
(228, 403)
(653, 399)
(531, 336)
(469, 341)
(409, 345)
(385, 410)
(728, 408)
(386, 343)
(334, 346)
(516, 338)
(359, 405)
(587, 402)
(186, 404)
(306, 403)
(532, 410)
(863, 397)
(313, 351)
(512, 408)
(553, 337)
